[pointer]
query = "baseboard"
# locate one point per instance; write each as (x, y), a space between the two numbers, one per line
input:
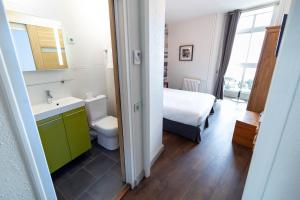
(142, 174)
(138, 179)
(123, 192)
(160, 150)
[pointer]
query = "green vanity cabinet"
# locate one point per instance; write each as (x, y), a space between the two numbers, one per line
(54, 141)
(64, 137)
(77, 129)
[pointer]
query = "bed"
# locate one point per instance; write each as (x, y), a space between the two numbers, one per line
(186, 113)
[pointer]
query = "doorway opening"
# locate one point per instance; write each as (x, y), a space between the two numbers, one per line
(188, 86)
(69, 66)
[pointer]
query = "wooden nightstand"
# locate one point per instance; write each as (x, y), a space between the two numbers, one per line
(246, 128)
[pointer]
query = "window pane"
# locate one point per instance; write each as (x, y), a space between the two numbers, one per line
(263, 19)
(232, 80)
(245, 22)
(255, 47)
(240, 48)
(248, 82)
(246, 52)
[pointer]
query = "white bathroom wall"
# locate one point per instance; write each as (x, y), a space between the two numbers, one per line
(205, 34)
(110, 91)
(110, 84)
(14, 180)
(88, 24)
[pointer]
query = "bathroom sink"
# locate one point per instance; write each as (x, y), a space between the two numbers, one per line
(45, 110)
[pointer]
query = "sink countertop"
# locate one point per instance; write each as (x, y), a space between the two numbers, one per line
(45, 110)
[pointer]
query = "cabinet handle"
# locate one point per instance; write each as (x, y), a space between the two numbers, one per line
(48, 122)
(74, 113)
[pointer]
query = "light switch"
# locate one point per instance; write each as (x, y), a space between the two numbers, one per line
(137, 57)
(136, 107)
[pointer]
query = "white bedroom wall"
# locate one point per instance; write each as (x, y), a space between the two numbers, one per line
(205, 34)
(284, 178)
(280, 10)
(88, 23)
(274, 169)
(156, 71)
(152, 29)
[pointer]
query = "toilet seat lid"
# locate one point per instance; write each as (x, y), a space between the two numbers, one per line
(108, 123)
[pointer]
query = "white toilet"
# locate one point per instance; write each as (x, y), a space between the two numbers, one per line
(105, 126)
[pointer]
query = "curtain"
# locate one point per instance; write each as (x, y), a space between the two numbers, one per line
(229, 34)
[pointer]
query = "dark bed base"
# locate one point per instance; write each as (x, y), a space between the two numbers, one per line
(212, 111)
(187, 131)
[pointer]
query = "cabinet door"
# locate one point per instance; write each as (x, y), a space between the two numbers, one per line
(77, 130)
(54, 140)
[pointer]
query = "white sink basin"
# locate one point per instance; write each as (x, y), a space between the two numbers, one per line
(43, 111)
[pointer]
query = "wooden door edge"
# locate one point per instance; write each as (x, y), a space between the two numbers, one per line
(117, 84)
(123, 192)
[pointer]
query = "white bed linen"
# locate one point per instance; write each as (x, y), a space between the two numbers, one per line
(191, 108)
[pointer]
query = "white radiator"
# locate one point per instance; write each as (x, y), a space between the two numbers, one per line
(194, 85)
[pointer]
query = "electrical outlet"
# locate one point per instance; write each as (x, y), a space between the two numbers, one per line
(71, 40)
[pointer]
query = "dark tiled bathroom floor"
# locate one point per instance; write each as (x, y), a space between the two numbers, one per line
(95, 175)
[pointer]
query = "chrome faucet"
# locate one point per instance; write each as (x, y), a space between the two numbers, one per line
(49, 96)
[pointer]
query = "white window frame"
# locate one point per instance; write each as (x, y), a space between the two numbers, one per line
(251, 31)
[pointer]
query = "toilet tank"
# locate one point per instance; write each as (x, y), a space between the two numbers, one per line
(96, 107)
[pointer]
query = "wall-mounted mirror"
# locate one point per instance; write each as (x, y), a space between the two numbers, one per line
(39, 42)
(23, 47)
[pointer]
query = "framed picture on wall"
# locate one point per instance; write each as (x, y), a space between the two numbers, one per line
(186, 52)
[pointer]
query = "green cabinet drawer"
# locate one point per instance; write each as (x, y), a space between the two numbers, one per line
(77, 131)
(54, 140)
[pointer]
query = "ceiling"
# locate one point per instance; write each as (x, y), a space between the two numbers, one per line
(177, 10)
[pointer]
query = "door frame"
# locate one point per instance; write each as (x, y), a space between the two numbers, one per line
(117, 78)
(13, 88)
(121, 59)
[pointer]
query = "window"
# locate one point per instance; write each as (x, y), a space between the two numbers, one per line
(246, 51)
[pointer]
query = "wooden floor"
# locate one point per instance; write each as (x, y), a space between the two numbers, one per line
(214, 169)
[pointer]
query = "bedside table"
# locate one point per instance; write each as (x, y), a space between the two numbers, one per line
(246, 128)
